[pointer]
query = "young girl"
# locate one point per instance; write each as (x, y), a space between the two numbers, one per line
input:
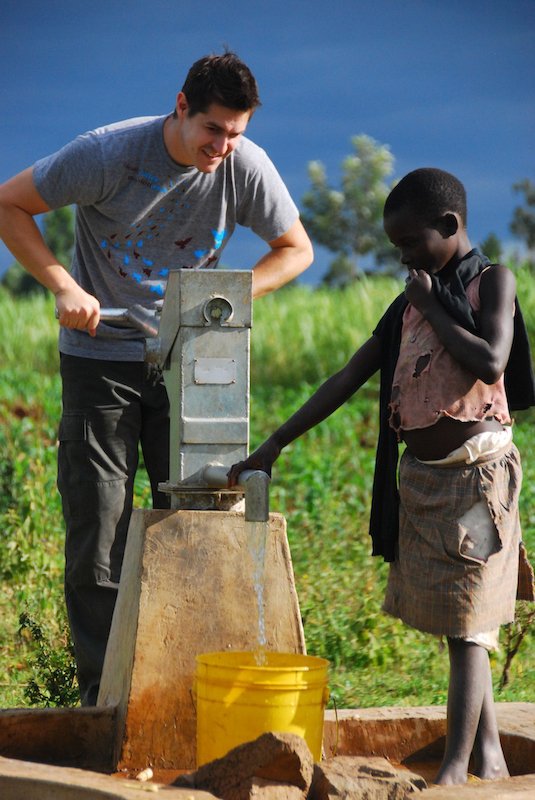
(451, 530)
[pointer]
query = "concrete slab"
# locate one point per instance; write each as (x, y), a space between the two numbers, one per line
(519, 788)
(410, 736)
(416, 734)
(75, 737)
(23, 780)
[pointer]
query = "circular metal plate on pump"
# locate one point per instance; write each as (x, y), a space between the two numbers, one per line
(218, 310)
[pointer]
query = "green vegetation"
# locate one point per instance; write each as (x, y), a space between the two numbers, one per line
(523, 222)
(349, 221)
(58, 232)
(321, 483)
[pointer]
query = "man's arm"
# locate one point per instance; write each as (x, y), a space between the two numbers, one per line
(288, 257)
(19, 203)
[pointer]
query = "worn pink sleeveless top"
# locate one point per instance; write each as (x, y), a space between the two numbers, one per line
(429, 384)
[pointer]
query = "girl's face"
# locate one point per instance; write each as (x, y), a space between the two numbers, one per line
(422, 245)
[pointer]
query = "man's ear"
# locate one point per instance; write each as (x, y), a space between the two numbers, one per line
(448, 224)
(181, 105)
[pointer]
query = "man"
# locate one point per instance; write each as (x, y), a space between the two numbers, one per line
(151, 194)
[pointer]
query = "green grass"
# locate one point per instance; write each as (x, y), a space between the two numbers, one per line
(321, 483)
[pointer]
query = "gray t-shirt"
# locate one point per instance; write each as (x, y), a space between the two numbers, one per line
(139, 214)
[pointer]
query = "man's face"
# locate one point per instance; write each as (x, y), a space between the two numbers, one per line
(207, 138)
(421, 245)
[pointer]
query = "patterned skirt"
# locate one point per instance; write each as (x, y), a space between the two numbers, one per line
(457, 568)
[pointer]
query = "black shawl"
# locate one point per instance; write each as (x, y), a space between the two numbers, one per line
(449, 285)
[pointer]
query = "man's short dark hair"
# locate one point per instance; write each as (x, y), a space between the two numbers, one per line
(224, 80)
(429, 193)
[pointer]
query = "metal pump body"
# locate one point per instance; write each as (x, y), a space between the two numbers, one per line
(200, 337)
(204, 351)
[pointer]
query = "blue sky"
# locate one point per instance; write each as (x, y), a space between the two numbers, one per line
(447, 84)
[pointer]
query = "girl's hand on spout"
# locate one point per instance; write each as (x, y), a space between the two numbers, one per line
(262, 459)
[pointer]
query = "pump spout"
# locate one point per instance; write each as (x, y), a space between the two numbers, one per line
(255, 485)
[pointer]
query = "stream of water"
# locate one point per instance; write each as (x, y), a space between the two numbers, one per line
(257, 533)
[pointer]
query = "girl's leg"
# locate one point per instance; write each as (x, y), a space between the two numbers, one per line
(469, 675)
(489, 761)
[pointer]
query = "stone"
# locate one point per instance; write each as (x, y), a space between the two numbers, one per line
(261, 789)
(362, 778)
(278, 766)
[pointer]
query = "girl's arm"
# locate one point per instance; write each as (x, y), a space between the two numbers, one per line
(330, 396)
(486, 353)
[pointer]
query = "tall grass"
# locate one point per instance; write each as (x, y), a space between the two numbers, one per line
(29, 334)
(302, 335)
(321, 483)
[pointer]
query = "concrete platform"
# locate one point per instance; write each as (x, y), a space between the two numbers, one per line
(414, 737)
(67, 737)
(408, 735)
(51, 742)
(24, 780)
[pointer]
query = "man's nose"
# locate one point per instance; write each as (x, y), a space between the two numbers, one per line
(220, 144)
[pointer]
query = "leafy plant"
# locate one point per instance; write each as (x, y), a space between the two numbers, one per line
(515, 633)
(53, 681)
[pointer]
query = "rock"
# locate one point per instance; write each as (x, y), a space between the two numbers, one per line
(261, 789)
(278, 766)
(362, 778)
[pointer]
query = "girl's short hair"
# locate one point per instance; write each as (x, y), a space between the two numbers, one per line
(428, 192)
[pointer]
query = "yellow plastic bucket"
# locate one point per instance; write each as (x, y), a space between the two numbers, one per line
(238, 700)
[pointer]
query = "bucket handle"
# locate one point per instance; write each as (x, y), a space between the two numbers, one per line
(193, 696)
(337, 728)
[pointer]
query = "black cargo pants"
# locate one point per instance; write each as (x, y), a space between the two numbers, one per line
(109, 409)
